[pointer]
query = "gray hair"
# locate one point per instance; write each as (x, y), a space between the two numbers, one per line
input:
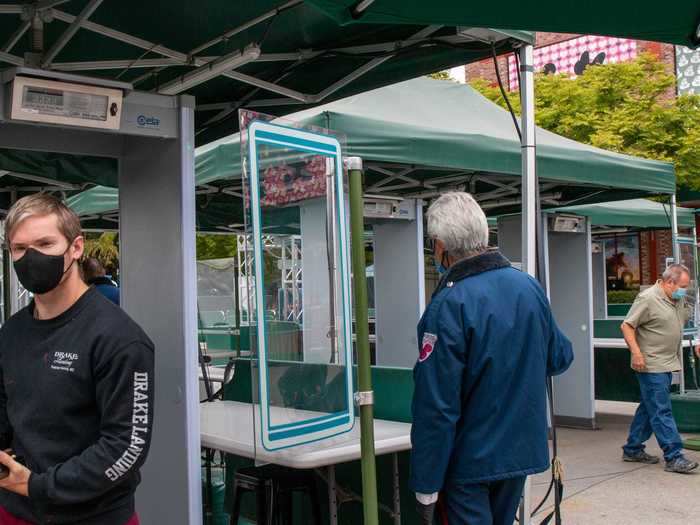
(458, 221)
(674, 272)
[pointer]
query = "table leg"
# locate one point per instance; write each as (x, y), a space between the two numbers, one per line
(332, 496)
(397, 491)
(525, 503)
(208, 507)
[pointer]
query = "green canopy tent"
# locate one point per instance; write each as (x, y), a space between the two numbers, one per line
(310, 52)
(283, 53)
(634, 213)
(313, 60)
(293, 55)
(25, 172)
(418, 136)
(679, 24)
(98, 209)
(431, 127)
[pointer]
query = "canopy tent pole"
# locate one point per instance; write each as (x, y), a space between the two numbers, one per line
(365, 395)
(527, 144)
(674, 229)
(11, 287)
(529, 187)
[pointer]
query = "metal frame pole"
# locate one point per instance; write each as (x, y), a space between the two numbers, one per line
(529, 208)
(677, 259)
(529, 188)
(674, 229)
(397, 489)
(332, 496)
(364, 373)
(332, 262)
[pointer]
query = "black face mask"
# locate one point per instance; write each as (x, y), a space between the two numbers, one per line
(40, 273)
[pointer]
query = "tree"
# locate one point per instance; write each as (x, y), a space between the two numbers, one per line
(628, 107)
(105, 248)
(215, 246)
(441, 75)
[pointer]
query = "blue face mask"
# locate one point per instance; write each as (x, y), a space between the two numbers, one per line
(679, 294)
(440, 268)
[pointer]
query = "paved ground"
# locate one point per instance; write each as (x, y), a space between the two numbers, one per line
(601, 489)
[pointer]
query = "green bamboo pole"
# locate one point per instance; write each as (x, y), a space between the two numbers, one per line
(369, 473)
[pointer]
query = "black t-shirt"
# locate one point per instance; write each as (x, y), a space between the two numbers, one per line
(76, 405)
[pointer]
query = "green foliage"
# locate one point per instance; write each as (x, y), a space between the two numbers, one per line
(622, 296)
(493, 93)
(628, 107)
(105, 248)
(440, 75)
(215, 246)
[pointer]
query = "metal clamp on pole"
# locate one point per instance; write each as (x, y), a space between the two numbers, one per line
(364, 398)
(353, 163)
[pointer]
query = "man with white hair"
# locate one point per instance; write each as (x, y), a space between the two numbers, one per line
(488, 341)
(653, 330)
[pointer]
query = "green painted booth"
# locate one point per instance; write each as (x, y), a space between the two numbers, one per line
(618, 309)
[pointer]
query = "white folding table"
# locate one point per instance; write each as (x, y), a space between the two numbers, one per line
(228, 426)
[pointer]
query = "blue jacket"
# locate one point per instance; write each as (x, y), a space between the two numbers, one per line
(488, 342)
(106, 287)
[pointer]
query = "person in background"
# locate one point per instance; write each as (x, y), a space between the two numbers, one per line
(653, 330)
(488, 342)
(96, 275)
(76, 384)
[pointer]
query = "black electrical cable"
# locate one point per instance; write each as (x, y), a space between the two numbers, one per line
(556, 475)
(503, 92)
(517, 68)
(668, 218)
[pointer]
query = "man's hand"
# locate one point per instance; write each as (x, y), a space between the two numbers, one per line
(697, 351)
(638, 362)
(17, 480)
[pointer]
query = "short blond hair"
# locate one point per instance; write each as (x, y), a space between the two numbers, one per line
(42, 204)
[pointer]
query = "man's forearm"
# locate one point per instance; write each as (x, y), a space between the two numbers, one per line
(630, 336)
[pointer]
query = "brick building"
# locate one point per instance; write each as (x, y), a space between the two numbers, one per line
(565, 46)
(564, 52)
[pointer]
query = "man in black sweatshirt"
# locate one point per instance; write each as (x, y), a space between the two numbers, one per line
(76, 384)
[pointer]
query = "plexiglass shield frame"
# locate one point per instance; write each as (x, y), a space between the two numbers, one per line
(299, 284)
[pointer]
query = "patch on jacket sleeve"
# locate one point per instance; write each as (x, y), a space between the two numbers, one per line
(427, 346)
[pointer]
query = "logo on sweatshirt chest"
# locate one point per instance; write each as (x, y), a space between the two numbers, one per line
(63, 361)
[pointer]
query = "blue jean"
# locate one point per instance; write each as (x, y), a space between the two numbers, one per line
(493, 503)
(654, 416)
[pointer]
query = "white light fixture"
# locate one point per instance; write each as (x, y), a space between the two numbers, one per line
(360, 8)
(210, 70)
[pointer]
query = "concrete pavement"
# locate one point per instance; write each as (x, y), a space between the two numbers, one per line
(601, 489)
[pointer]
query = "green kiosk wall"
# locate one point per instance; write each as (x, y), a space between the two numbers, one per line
(614, 379)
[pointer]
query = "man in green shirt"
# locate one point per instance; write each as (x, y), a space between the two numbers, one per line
(653, 331)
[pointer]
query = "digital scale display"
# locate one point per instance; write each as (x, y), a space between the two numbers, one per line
(47, 101)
